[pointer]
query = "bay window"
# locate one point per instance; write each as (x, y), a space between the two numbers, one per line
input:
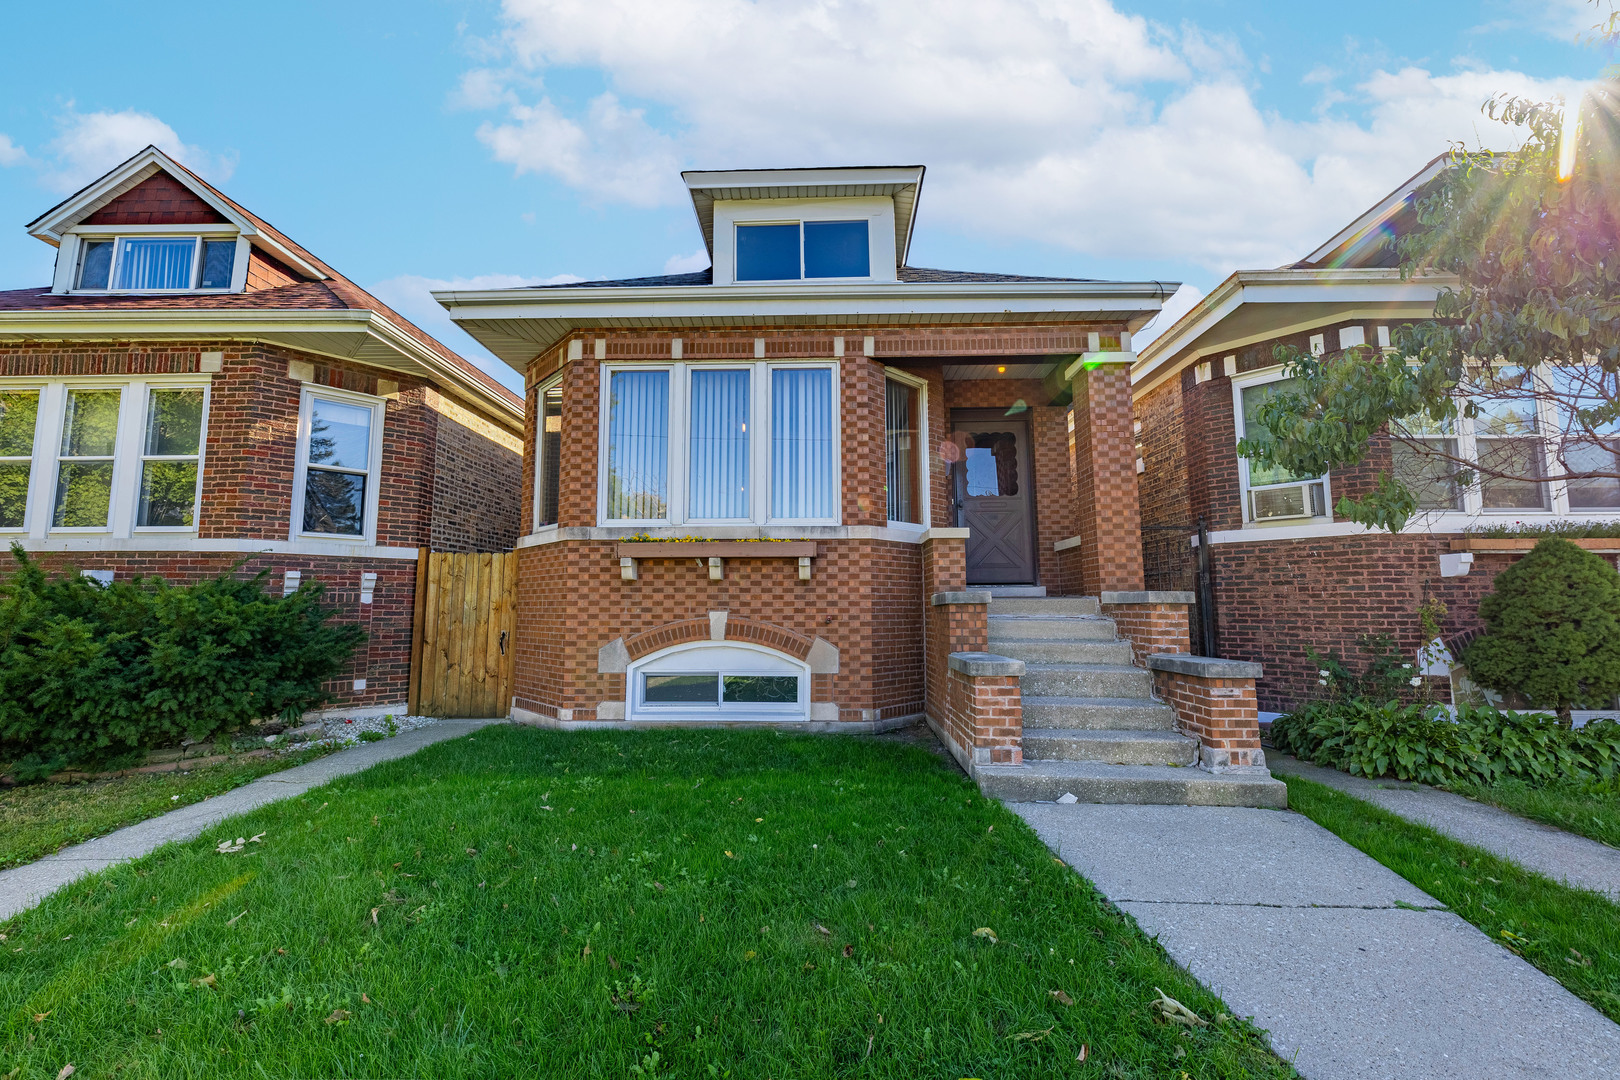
(548, 466)
(1589, 444)
(339, 461)
(100, 455)
(903, 445)
(721, 443)
(156, 263)
(1508, 438)
(1424, 463)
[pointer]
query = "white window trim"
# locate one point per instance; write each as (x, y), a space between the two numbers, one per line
(759, 446)
(924, 479)
(378, 407)
(1248, 380)
(635, 709)
(128, 452)
(72, 252)
(540, 449)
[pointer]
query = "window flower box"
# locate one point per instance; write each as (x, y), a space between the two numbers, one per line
(1518, 545)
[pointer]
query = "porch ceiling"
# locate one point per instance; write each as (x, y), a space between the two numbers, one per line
(967, 372)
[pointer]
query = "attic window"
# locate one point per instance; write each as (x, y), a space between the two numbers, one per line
(156, 263)
(809, 249)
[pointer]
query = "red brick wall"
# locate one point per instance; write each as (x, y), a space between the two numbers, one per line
(947, 628)
(384, 660)
(1219, 713)
(158, 200)
(984, 718)
(864, 597)
(1151, 628)
(1105, 481)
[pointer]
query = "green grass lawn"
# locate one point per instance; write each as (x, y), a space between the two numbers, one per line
(684, 904)
(1571, 934)
(37, 819)
(1591, 807)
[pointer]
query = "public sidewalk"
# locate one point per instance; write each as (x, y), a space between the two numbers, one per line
(1356, 973)
(24, 886)
(1562, 856)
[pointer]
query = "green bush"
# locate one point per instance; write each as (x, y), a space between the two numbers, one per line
(1552, 629)
(1422, 743)
(90, 672)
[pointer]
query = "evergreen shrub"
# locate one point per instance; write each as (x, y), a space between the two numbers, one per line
(92, 672)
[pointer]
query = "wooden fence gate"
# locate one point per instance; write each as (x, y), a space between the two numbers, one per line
(466, 615)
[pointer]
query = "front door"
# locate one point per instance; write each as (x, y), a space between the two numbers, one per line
(992, 484)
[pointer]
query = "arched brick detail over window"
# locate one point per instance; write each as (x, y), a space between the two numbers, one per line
(769, 635)
(682, 631)
(662, 637)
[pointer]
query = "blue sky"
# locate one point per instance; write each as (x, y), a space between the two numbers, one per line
(417, 142)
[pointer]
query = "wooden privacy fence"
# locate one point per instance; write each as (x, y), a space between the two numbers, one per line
(461, 652)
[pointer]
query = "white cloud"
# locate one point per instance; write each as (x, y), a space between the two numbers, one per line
(1059, 121)
(10, 152)
(687, 264)
(89, 144)
(412, 296)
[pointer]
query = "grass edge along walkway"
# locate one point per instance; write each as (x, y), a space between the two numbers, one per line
(1573, 935)
(524, 901)
(32, 826)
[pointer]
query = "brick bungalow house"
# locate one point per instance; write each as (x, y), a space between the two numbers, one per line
(1286, 572)
(814, 487)
(194, 390)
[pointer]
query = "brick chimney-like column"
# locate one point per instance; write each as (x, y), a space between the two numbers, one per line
(1109, 517)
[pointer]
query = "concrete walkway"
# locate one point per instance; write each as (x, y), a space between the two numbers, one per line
(1302, 932)
(24, 886)
(1562, 856)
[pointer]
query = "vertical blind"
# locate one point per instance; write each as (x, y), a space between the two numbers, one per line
(156, 263)
(638, 445)
(802, 463)
(901, 436)
(719, 445)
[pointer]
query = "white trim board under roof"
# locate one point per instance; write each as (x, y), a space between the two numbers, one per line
(902, 183)
(1256, 305)
(519, 324)
(53, 225)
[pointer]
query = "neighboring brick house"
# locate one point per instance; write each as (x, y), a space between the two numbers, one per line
(196, 392)
(1287, 573)
(912, 441)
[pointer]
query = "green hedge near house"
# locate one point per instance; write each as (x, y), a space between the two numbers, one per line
(90, 673)
(1420, 742)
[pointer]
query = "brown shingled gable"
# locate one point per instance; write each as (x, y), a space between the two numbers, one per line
(160, 199)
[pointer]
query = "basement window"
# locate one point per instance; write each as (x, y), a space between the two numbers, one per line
(710, 681)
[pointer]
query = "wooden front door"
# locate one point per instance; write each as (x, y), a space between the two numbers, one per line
(992, 485)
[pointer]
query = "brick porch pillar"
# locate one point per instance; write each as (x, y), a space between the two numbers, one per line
(1109, 552)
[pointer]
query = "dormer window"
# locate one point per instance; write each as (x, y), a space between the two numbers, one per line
(791, 251)
(156, 263)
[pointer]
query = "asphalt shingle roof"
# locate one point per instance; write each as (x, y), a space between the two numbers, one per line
(706, 277)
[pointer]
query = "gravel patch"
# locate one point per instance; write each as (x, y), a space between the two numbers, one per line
(346, 731)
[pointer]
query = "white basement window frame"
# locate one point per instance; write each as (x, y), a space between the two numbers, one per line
(677, 504)
(108, 259)
(719, 673)
(371, 473)
(125, 461)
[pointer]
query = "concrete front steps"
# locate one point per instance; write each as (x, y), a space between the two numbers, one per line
(1092, 727)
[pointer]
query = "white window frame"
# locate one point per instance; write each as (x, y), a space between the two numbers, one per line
(1249, 380)
(924, 478)
(759, 446)
(128, 452)
(74, 244)
(801, 222)
(378, 406)
(637, 709)
(539, 452)
(1557, 503)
